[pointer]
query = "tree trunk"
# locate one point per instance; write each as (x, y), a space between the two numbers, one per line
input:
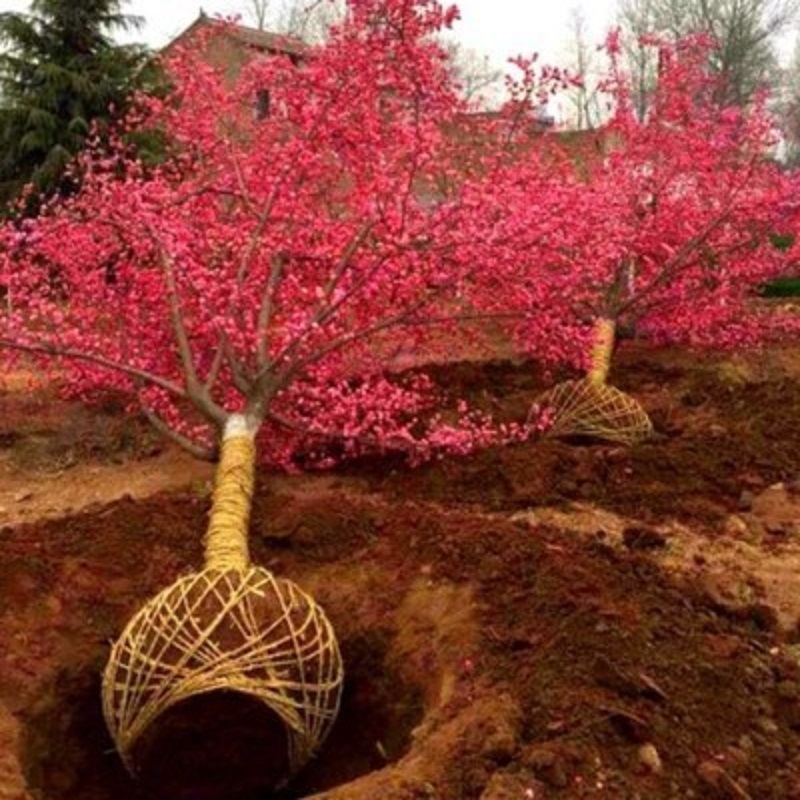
(604, 336)
(226, 545)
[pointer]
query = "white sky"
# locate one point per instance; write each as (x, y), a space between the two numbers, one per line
(499, 28)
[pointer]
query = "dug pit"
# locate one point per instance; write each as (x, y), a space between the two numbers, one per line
(215, 746)
(548, 656)
(400, 660)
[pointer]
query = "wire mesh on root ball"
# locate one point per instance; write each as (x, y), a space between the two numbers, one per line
(226, 683)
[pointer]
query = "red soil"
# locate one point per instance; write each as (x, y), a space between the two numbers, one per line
(545, 621)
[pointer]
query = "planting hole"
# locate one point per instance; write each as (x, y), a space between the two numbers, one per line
(213, 747)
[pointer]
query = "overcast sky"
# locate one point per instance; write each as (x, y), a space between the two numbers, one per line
(500, 28)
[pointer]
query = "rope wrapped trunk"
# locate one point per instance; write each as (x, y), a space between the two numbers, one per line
(231, 627)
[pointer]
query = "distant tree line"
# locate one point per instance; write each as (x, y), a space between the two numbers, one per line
(479, 80)
(744, 34)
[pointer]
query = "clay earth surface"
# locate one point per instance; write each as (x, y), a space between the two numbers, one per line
(550, 620)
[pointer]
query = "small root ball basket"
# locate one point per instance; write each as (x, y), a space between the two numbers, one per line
(600, 411)
(590, 407)
(234, 629)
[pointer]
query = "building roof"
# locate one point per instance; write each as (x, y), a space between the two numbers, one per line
(265, 41)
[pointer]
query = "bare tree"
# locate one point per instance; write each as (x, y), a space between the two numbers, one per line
(582, 65)
(308, 20)
(744, 32)
(788, 108)
(638, 18)
(257, 10)
(479, 79)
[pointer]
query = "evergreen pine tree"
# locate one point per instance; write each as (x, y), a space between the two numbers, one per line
(60, 72)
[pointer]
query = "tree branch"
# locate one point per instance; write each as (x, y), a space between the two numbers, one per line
(241, 380)
(195, 390)
(77, 355)
(193, 448)
(325, 314)
(176, 315)
(405, 319)
(240, 180)
(647, 307)
(267, 306)
(322, 312)
(673, 265)
(216, 366)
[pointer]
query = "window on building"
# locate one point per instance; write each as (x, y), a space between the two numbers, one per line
(262, 104)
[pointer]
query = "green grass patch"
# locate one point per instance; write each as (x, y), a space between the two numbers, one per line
(783, 287)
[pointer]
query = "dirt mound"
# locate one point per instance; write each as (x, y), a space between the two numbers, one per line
(58, 457)
(721, 429)
(521, 659)
(543, 621)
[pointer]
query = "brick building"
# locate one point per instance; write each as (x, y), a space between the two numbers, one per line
(232, 46)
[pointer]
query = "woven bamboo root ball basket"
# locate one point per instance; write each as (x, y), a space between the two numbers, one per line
(597, 410)
(226, 683)
(225, 631)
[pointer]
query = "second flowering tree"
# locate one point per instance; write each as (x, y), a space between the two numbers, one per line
(665, 226)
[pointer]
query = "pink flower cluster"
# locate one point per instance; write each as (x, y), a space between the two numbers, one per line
(271, 265)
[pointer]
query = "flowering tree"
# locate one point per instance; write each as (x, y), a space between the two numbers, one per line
(250, 288)
(269, 265)
(667, 229)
